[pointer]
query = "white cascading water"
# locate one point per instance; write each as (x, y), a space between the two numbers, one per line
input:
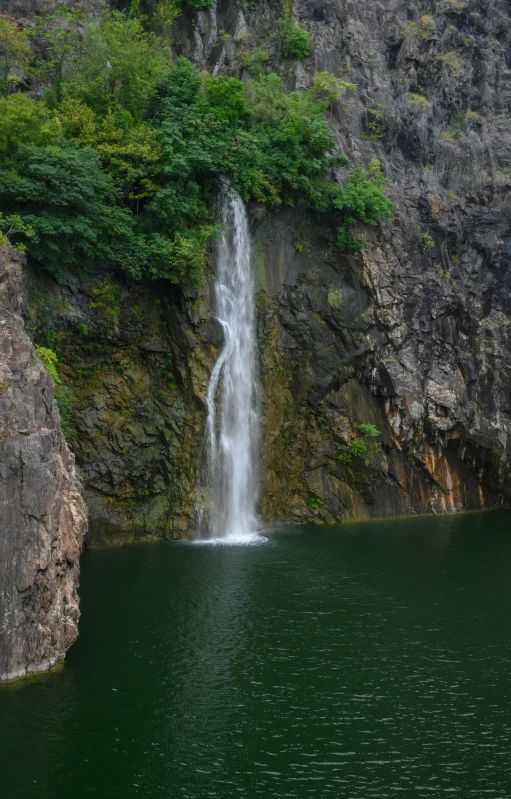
(232, 425)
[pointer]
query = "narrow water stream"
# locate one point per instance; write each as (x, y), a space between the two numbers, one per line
(228, 491)
(360, 662)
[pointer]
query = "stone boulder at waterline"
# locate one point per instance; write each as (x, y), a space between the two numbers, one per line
(42, 513)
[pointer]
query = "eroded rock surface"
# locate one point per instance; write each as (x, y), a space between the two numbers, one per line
(42, 513)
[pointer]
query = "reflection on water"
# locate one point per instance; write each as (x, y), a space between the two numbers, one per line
(365, 661)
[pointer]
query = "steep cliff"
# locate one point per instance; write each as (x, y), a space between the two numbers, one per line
(42, 513)
(413, 335)
(410, 338)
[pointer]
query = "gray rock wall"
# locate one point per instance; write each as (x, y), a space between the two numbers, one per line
(422, 325)
(42, 513)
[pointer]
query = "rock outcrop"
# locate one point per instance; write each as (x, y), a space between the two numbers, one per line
(42, 513)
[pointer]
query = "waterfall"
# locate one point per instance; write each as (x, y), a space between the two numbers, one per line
(232, 424)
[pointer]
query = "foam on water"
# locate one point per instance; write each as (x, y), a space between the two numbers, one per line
(233, 540)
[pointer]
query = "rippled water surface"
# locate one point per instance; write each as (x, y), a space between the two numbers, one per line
(356, 662)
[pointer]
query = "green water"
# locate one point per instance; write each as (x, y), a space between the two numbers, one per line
(357, 662)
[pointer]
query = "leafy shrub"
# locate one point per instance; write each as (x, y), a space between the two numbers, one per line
(11, 227)
(198, 5)
(362, 200)
(369, 430)
(254, 61)
(364, 446)
(315, 502)
(293, 38)
(117, 63)
(417, 99)
(427, 242)
(69, 203)
(326, 89)
(25, 121)
(13, 49)
(358, 447)
(375, 125)
(65, 400)
(50, 360)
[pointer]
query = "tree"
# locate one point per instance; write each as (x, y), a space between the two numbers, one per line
(117, 64)
(13, 48)
(61, 40)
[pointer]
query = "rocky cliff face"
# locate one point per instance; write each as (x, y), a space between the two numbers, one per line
(412, 336)
(136, 360)
(42, 513)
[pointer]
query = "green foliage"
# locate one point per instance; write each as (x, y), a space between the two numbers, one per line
(65, 400)
(13, 52)
(50, 360)
(417, 99)
(60, 33)
(453, 61)
(293, 38)
(12, 225)
(198, 5)
(364, 446)
(375, 124)
(254, 62)
(104, 298)
(358, 447)
(25, 121)
(427, 242)
(361, 199)
(63, 396)
(315, 502)
(69, 203)
(121, 159)
(117, 63)
(326, 89)
(369, 430)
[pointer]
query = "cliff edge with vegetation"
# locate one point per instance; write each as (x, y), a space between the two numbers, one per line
(370, 142)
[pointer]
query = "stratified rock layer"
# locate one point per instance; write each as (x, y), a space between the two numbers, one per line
(42, 513)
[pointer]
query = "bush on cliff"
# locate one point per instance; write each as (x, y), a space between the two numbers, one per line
(120, 162)
(293, 38)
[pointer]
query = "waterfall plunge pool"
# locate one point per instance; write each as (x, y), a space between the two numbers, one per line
(369, 660)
